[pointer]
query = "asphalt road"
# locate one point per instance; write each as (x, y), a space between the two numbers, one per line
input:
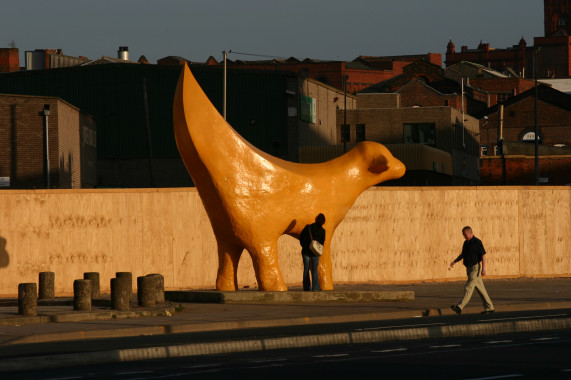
(530, 355)
(52, 348)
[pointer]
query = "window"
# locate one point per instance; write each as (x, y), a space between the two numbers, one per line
(360, 132)
(345, 133)
(419, 133)
(502, 97)
(529, 136)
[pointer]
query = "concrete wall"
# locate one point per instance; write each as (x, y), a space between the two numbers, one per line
(390, 235)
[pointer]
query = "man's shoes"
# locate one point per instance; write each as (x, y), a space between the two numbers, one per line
(488, 311)
(456, 309)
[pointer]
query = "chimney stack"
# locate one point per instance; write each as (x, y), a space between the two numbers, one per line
(123, 53)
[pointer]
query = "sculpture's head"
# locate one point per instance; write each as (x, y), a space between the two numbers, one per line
(381, 164)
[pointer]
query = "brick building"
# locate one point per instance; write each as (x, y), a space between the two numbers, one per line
(361, 73)
(514, 163)
(485, 87)
(557, 17)
(9, 60)
(433, 142)
(552, 52)
(554, 119)
(71, 144)
(514, 58)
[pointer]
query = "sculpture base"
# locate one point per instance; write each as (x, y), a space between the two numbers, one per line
(259, 297)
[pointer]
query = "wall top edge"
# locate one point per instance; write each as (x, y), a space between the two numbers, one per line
(107, 191)
(193, 189)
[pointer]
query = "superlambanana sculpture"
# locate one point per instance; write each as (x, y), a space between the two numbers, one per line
(252, 198)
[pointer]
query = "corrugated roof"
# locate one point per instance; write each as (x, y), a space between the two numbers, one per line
(470, 70)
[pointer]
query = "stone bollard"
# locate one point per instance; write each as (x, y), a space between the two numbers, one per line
(146, 291)
(82, 295)
(47, 286)
(94, 278)
(128, 275)
(159, 283)
(28, 299)
(120, 292)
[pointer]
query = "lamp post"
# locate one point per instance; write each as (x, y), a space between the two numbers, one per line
(535, 51)
(225, 54)
(46, 113)
(344, 129)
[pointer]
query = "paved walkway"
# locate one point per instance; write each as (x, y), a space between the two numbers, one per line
(60, 322)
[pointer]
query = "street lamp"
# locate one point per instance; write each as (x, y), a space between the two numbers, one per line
(225, 54)
(344, 128)
(535, 51)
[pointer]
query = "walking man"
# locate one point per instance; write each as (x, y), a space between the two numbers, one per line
(474, 259)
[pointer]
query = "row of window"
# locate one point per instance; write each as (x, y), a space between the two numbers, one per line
(359, 133)
(413, 133)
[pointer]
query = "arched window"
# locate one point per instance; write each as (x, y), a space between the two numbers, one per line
(529, 136)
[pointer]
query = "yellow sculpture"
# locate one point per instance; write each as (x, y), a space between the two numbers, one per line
(252, 198)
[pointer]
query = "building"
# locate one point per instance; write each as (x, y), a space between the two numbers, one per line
(70, 155)
(508, 135)
(362, 72)
(438, 144)
(42, 59)
(485, 87)
(515, 58)
(550, 57)
(419, 116)
(557, 17)
(273, 110)
(318, 109)
(9, 60)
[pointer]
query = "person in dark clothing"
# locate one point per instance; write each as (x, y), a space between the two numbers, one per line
(309, 259)
(473, 256)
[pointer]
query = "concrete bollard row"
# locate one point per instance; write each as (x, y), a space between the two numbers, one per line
(150, 291)
(28, 299)
(47, 286)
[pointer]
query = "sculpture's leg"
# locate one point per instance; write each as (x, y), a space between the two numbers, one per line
(325, 270)
(228, 258)
(265, 261)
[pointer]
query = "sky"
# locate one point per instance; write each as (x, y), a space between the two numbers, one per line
(318, 29)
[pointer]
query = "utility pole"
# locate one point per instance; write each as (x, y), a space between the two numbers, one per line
(535, 51)
(344, 129)
(225, 54)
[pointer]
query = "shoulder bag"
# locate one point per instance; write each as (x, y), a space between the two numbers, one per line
(314, 246)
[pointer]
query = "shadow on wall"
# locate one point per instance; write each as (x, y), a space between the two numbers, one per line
(4, 257)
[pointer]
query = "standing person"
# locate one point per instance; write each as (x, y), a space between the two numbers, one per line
(474, 259)
(317, 233)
